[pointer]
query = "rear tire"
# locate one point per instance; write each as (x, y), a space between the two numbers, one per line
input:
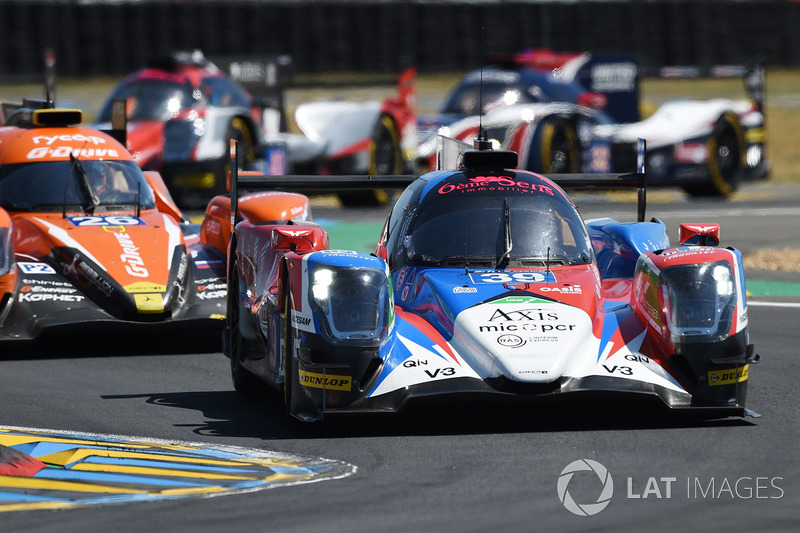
(725, 159)
(557, 147)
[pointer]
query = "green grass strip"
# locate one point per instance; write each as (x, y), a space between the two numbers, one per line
(773, 288)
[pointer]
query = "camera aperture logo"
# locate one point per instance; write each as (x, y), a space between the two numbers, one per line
(585, 509)
(585, 501)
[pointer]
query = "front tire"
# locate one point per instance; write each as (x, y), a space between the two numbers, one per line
(288, 354)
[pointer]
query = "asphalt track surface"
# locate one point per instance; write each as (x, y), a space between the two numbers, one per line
(445, 467)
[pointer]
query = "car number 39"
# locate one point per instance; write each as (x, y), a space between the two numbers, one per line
(511, 277)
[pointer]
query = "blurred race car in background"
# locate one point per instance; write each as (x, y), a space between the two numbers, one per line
(580, 112)
(486, 284)
(183, 111)
(90, 242)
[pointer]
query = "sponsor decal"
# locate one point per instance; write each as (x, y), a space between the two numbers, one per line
(495, 183)
(301, 320)
(729, 376)
(46, 282)
(519, 300)
(56, 146)
(212, 295)
(50, 140)
(512, 321)
(680, 253)
(57, 290)
(614, 77)
(510, 341)
(35, 268)
(144, 286)
(134, 265)
(49, 297)
(568, 289)
(92, 275)
(65, 151)
(212, 287)
(325, 381)
(464, 290)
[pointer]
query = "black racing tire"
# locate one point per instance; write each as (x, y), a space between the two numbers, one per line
(288, 348)
(385, 158)
(244, 381)
(558, 147)
(725, 161)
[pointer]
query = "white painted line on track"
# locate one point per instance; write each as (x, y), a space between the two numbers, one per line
(773, 304)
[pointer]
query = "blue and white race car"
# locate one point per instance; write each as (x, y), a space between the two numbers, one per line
(486, 282)
(580, 112)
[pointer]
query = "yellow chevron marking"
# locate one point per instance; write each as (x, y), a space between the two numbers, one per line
(70, 456)
(36, 506)
(146, 470)
(32, 483)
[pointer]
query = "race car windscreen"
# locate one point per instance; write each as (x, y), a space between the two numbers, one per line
(502, 91)
(153, 99)
(498, 230)
(80, 185)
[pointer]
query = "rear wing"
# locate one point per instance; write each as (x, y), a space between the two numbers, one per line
(449, 154)
(753, 75)
(618, 76)
(265, 77)
(241, 181)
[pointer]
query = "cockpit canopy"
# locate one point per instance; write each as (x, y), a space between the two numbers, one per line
(78, 185)
(511, 220)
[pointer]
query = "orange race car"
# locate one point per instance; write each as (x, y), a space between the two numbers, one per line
(87, 238)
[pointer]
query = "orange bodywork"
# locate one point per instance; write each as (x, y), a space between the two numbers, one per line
(86, 236)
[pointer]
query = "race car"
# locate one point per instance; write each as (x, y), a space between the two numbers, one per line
(571, 112)
(183, 110)
(90, 242)
(486, 283)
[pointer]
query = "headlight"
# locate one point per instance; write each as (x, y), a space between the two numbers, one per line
(698, 301)
(354, 302)
(6, 251)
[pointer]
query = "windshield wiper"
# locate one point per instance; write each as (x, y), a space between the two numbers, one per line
(94, 201)
(506, 257)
